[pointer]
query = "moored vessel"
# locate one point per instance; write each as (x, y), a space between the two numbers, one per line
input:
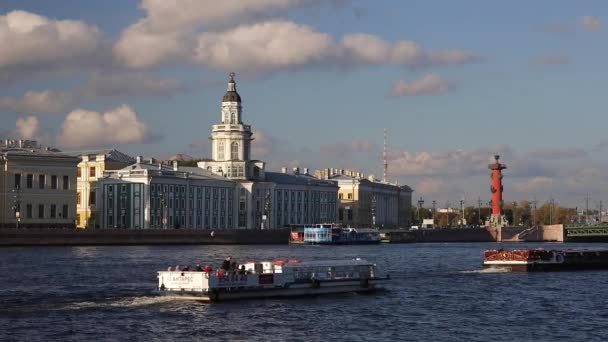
(334, 234)
(266, 279)
(530, 260)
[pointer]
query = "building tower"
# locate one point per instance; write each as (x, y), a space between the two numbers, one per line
(231, 141)
(497, 188)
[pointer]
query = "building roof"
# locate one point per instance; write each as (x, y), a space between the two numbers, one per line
(345, 180)
(111, 155)
(194, 170)
(231, 94)
(8, 151)
(166, 170)
(300, 179)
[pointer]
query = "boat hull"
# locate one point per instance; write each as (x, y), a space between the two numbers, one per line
(292, 291)
(546, 267)
(569, 260)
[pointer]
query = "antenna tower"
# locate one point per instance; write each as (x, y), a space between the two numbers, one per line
(385, 165)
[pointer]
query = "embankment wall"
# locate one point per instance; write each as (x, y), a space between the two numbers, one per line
(66, 237)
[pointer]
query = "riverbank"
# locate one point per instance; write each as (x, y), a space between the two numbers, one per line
(84, 237)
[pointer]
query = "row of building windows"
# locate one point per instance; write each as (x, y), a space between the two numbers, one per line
(295, 207)
(42, 181)
(92, 171)
(41, 212)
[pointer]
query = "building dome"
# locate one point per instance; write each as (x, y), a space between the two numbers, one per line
(231, 94)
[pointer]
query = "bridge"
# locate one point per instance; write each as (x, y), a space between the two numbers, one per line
(586, 231)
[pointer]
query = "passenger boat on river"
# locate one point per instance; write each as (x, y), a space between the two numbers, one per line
(529, 260)
(279, 278)
(334, 234)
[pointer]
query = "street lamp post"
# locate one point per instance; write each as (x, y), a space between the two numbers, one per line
(420, 203)
(587, 198)
(479, 211)
(434, 212)
(17, 205)
(534, 212)
(447, 213)
(373, 208)
(267, 204)
(163, 207)
(551, 211)
(462, 212)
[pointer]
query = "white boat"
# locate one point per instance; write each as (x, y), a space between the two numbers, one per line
(279, 278)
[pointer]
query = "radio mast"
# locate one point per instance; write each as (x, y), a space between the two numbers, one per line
(384, 157)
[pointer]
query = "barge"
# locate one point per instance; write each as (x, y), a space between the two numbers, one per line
(532, 260)
(268, 279)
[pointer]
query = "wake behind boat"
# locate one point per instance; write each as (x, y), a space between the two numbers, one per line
(267, 279)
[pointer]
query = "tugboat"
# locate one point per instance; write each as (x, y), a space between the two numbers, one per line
(531, 260)
(267, 279)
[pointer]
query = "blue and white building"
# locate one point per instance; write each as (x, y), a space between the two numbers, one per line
(230, 190)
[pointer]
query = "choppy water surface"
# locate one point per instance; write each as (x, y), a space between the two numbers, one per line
(437, 293)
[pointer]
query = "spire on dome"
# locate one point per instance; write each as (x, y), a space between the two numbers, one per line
(231, 93)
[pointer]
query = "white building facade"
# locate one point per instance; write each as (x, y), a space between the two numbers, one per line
(160, 196)
(230, 190)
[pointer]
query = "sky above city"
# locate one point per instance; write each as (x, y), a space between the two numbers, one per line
(453, 82)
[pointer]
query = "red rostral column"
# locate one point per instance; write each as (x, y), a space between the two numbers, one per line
(496, 187)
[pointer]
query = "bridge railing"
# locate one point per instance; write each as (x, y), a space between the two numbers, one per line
(578, 230)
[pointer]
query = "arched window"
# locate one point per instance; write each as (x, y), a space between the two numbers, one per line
(233, 118)
(220, 150)
(234, 151)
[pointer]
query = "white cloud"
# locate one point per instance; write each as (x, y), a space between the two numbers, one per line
(266, 46)
(38, 102)
(430, 84)
(206, 32)
(269, 46)
(370, 49)
(263, 145)
(536, 184)
(30, 39)
(155, 40)
(558, 153)
(342, 150)
(87, 128)
(429, 186)
(28, 128)
(590, 23)
(138, 47)
(128, 84)
(210, 13)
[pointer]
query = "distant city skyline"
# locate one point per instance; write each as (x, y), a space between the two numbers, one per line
(453, 82)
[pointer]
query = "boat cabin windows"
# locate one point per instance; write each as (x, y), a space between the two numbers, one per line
(307, 273)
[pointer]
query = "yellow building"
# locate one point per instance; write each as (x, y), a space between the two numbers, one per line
(37, 186)
(367, 202)
(91, 167)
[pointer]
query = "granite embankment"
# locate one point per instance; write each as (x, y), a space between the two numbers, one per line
(550, 233)
(80, 237)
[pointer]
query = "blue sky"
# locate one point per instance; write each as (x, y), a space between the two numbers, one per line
(453, 81)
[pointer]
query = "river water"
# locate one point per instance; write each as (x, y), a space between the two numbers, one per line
(437, 293)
